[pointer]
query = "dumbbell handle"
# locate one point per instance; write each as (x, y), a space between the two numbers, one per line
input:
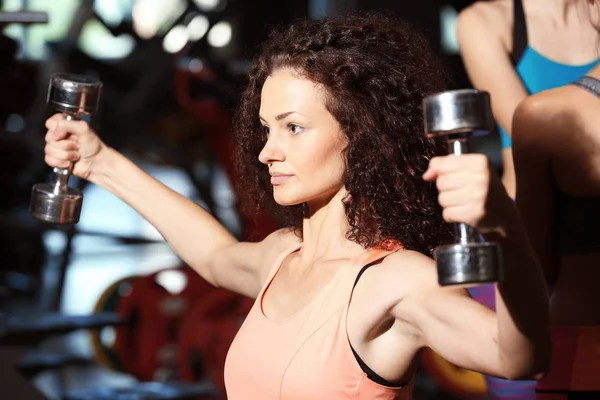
(459, 144)
(61, 176)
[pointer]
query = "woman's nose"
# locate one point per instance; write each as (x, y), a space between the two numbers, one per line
(271, 152)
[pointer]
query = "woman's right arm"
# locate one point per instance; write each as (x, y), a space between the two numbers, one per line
(537, 128)
(193, 233)
(487, 61)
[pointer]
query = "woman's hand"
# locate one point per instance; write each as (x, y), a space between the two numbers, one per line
(470, 192)
(71, 143)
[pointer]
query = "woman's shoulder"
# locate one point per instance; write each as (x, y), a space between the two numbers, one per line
(492, 10)
(551, 106)
(491, 17)
(540, 118)
(402, 276)
(403, 272)
(275, 245)
(280, 241)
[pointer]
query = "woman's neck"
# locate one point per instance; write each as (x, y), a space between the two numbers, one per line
(561, 11)
(324, 232)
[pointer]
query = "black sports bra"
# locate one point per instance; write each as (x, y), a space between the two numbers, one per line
(520, 39)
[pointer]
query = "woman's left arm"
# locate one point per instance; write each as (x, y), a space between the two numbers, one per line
(515, 342)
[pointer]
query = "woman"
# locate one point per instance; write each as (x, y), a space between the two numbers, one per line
(513, 48)
(331, 139)
(557, 147)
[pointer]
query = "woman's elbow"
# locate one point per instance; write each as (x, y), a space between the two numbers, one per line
(533, 374)
(535, 367)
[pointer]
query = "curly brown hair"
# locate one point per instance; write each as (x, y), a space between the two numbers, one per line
(376, 70)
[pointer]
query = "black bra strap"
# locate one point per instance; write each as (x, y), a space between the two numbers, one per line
(590, 84)
(370, 373)
(363, 269)
(520, 39)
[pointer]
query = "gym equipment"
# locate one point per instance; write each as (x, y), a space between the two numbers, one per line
(55, 202)
(169, 334)
(39, 361)
(102, 340)
(19, 334)
(206, 335)
(457, 115)
(23, 17)
(18, 329)
(146, 345)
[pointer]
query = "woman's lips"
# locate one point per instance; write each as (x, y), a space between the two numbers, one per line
(278, 179)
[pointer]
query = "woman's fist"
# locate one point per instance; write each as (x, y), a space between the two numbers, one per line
(470, 191)
(71, 143)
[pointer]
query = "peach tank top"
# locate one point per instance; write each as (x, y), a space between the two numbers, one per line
(307, 356)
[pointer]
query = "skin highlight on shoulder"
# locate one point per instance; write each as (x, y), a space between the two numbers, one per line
(555, 111)
(493, 17)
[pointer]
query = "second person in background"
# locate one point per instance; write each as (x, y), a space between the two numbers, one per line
(512, 49)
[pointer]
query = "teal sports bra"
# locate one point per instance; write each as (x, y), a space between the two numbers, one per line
(538, 73)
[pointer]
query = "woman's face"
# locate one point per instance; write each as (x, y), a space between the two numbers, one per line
(304, 148)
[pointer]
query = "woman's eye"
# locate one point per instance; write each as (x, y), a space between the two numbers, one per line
(295, 129)
(267, 130)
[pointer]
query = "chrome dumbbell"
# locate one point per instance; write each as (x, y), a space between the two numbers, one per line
(55, 202)
(457, 115)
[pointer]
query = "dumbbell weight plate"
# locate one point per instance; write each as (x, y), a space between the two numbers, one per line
(469, 263)
(457, 111)
(102, 348)
(74, 93)
(63, 209)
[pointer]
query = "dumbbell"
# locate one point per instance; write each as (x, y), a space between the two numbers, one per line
(457, 115)
(55, 202)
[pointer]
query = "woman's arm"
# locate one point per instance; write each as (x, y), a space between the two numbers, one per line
(194, 234)
(487, 61)
(514, 342)
(534, 130)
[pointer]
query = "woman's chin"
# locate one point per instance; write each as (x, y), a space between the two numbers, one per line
(287, 201)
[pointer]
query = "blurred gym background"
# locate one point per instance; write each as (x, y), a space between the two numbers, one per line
(105, 309)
